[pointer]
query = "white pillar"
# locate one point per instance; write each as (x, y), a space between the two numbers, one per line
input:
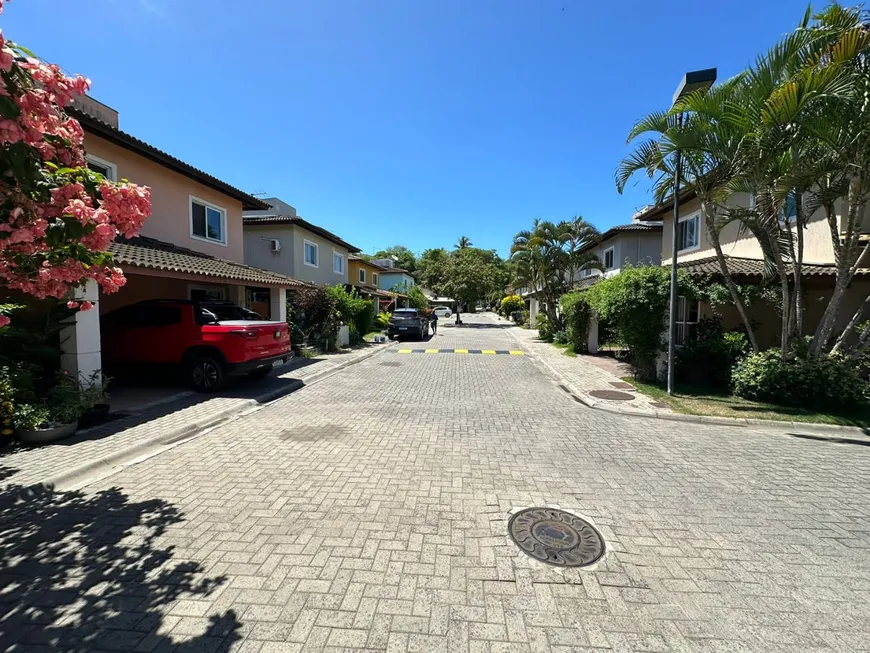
(80, 345)
(237, 296)
(592, 336)
(533, 312)
(343, 335)
(278, 304)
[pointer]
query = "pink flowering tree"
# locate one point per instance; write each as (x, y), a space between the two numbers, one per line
(57, 217)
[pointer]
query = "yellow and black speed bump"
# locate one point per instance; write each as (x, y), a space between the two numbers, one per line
(494, 352)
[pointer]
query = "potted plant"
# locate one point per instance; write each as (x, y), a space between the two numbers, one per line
(93, 398)
(54, 418)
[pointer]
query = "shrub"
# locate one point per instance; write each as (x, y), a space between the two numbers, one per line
(512, 303)
(575, 307)
(382, 319)
(709, 354)
(635, 302)
(353, 310)
(825, 382)
(318, 317)
(561, 337)
(545, 329)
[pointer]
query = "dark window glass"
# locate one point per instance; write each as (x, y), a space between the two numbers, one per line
(198, 220)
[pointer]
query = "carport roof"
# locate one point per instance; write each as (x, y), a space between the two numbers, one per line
(154, 254)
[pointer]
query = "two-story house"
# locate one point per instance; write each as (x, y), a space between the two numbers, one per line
(365, 276)
(637, 243)
(392, 277)
(277, 239)
(190, 247)
(746, 264)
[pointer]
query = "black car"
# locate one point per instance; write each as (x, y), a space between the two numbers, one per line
(408, 322)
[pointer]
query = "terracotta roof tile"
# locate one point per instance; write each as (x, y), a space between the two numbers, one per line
(751, 267)
(295, 219)
(157, 255)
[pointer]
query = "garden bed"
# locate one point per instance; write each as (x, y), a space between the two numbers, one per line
(700, 400)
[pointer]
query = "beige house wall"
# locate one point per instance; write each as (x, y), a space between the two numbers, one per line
(817, 237)
(170, 200)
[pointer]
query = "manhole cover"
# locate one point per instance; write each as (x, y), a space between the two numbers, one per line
(556, 537)
(390, 364)
(613, 395)
(658, 404)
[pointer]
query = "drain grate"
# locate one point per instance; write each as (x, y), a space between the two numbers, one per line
(556, 537)
(612, 395)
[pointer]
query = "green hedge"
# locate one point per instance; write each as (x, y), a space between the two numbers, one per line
(710, 353)
(635, 302)
(512, 303)
(577, 311)
(827, 382)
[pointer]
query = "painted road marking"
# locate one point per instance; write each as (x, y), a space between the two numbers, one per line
(503, 352)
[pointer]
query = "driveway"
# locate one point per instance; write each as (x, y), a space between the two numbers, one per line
(369, 512)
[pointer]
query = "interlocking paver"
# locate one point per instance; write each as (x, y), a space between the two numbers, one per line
(368, 513)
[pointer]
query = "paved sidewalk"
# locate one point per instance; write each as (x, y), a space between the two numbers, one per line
(101, 447)
(583, 378)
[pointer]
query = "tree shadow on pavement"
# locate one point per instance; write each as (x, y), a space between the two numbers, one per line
(83, 572)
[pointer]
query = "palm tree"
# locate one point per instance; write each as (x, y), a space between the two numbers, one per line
(548, 257)
(709, 154)
(464, 243)
(576, 234)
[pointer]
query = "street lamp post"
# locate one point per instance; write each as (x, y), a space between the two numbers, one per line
(692, 81)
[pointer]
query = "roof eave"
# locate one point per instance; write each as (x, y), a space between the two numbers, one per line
(133, 144)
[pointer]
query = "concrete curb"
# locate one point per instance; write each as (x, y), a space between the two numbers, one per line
(106, 465)
(804, 427)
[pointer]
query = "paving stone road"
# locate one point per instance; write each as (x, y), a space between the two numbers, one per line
(369, 512)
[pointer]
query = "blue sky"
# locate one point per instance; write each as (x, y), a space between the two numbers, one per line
(401, 121)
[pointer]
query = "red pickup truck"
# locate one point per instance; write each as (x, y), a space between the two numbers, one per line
(210, 340)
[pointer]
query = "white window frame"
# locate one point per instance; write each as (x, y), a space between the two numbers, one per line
(362, 275)
(692, 216)
(316, 247)
(338, 255)
(612, 258)
(209, 205)
(683, 312)
(108, 165)
(220, 289)
(375, 279)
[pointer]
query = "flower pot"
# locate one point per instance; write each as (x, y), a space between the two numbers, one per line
(42, 436)
(94, 415)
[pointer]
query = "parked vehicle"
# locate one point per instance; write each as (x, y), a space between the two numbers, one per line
(209, 340)
(408, 322)
(442, 311)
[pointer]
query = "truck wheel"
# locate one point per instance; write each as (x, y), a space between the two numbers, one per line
(206, 374)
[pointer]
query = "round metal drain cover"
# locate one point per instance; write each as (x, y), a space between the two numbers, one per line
(556, 537)
(613, 395)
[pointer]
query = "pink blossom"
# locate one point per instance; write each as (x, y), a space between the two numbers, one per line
(72, 304)
(4, 320)
(86, 305)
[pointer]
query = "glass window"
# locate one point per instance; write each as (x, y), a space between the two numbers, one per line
(362, 275)
(207, 222)
(213, 223)
(105, 168)
(688, 233)
(688, 314)
(608, 259)
(788, 213)
(375, 278)
(337, 263)
(310, 254)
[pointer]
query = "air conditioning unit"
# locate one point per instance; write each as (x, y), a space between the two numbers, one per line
(275, 245)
